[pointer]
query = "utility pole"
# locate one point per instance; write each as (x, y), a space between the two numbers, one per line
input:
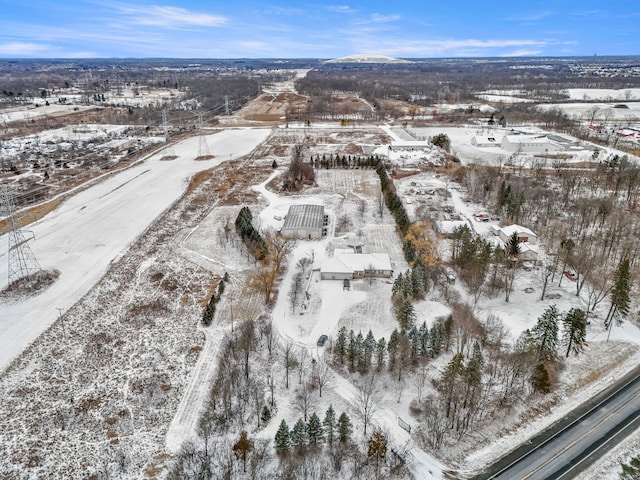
(231, 306)
(203, 146)
(64, 331)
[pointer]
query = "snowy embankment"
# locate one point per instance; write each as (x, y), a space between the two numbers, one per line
(93, 228)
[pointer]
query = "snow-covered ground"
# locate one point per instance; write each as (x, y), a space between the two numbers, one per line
(31, 111)
(599, 110)
(91, 229)
(605, 94)
(95, 227)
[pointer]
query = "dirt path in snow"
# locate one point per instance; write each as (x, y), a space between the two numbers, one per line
(421, 464)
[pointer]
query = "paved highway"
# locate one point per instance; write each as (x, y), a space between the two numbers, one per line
(572, 445)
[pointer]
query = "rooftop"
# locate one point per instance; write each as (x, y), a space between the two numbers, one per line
(304, 216)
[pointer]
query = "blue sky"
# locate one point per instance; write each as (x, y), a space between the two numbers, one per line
(244, 28)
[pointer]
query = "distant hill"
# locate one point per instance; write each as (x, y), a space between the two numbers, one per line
(367, 58)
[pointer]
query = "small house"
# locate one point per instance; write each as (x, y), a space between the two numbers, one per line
(347, 265)
(523, 233)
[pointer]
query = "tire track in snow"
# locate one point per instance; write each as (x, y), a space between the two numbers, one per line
(184, 423)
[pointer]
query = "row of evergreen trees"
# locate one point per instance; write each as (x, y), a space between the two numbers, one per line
(344, 161)
(249, 235)
(408, 287)
(392, 200)
(543, 340)
(405, 347)
(314, 432)
(210, 309)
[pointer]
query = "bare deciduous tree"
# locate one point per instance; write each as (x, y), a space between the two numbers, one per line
(322, 374)
(304, 400)
(367, 400)
(289, 361)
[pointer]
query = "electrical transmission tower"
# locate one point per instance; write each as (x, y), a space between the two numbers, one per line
(226, 105)
(169, 152)
(22, 261)
(203, 146)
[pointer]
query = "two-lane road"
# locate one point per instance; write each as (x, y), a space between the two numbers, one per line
(571, 446)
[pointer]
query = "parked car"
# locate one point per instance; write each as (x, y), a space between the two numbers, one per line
(322, 340)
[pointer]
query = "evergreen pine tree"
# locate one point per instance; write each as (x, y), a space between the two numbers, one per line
(282, 439)
(359, 352)
(330, 424)
(545, 334)
(352, 350)
(525, 343)
(423, 332)
(473, 371)
(381, 349)
(265, 416)
(417, 281)
(344, 427)
(299, 436)
(512, 248)
(575, 330)
(369, 347)
(631, 470)
(405, 313)
(315, 430)
(620, 295)
(435, 339)
(340, 346)
(209, 311)
(540, 380)
(392, 348)
(397, 284)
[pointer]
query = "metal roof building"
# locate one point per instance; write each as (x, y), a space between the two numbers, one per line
(305, 222)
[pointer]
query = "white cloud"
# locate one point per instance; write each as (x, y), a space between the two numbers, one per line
(172, 17)
(19, 48)
(377, 18)
(340, 9)
(285, 11)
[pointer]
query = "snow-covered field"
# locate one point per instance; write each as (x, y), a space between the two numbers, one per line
(599, 110)
(31, 111)
(91, 229)
(604, 94)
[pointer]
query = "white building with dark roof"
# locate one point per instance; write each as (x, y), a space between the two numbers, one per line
(527, 240)
(306, 222)
(523, 233)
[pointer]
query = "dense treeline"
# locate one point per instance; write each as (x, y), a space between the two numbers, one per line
(249, 235)
(439, 81)
(588, 217)
(210, 309)
(344, 161)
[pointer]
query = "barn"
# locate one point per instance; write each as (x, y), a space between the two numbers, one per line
(530, 144)
(305, 222)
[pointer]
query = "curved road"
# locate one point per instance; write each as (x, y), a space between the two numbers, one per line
(570, 446)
